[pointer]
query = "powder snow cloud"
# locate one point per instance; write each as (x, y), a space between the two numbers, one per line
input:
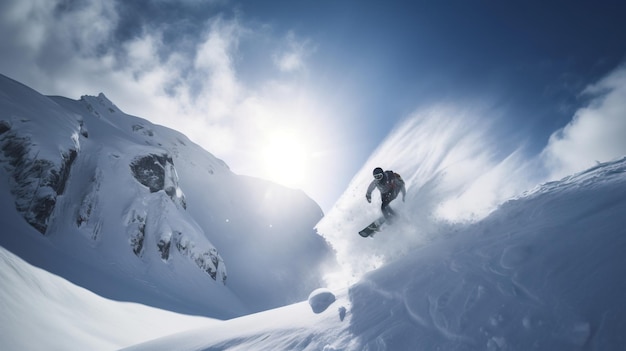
(595, 133)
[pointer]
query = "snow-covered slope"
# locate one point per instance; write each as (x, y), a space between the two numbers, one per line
(137, 212)
(41, 311)
(542, 272)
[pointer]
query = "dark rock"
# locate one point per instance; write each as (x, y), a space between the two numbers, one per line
(164, 248)
(150, 171)
(36, 182)
(157, 173)
(137, 233)
(4, 127)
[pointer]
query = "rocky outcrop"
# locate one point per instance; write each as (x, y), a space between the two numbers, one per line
(87, 218)
(145, 226)
(136, 229)
(36, 181)
(157, 172)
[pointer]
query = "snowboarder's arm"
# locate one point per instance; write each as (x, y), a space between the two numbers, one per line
(368, 194)
(399, 181)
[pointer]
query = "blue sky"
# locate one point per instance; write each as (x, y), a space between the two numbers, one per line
(303, 92)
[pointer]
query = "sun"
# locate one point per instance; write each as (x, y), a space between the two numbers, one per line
(285, 158)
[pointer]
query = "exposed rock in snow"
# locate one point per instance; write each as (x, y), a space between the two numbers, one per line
(37, 182)
(87, 216)
(157, 172)
(146, 224)
(39, 168)
(136, 230)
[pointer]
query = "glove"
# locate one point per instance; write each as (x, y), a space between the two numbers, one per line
(369, 198)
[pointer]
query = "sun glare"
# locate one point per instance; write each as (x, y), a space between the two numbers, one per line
(285, 159)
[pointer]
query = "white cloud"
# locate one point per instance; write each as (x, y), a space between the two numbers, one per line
(37, 14)
(597, 133)
(142, 53)
(193, 84)
(215, 62)
(293, 57)
(50, 46)
(87, 27)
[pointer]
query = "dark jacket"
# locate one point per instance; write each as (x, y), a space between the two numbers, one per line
(390, 186)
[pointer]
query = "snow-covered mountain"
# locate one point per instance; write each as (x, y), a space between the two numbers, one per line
(137, 212)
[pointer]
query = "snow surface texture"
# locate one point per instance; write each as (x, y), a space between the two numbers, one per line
(140, 213)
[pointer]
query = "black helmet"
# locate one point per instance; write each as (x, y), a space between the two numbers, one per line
(378, 173)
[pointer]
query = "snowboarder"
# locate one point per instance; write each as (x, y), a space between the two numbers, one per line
(390, 184)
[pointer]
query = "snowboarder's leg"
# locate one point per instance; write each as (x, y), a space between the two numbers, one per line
(387, 211)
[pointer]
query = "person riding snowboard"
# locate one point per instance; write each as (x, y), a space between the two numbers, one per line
(390, 184)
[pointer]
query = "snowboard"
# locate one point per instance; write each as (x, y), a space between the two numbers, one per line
(372, 228)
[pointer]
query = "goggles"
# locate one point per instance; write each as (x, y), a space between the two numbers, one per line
(378, 176)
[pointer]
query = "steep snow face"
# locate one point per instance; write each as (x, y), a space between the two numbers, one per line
(542, 272)
(538, 273)
(142, 206)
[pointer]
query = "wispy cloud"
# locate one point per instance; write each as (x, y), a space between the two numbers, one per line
(596, 133)
(50, 39)
(214, 64)
(293, 56)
